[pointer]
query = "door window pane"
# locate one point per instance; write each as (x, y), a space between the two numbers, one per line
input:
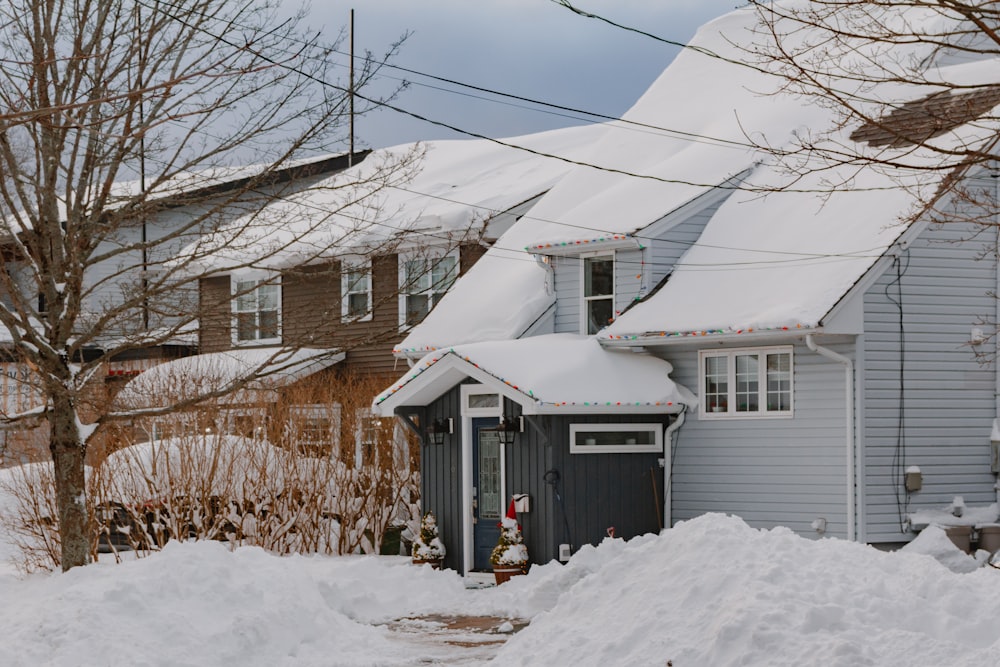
(489, 474)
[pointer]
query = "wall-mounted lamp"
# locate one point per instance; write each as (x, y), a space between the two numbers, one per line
(508, 428)
(438, 428)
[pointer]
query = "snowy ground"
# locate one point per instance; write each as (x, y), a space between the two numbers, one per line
(711, 591)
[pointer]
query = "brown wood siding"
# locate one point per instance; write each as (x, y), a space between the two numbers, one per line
(469, 254)
(214, 334)
(311, 313)
(310, 305)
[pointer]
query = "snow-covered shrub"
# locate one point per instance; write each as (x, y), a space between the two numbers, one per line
(428, 544)
(510, 550)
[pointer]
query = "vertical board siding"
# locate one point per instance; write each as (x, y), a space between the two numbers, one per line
(526, 462)
(771, 471)
(441, 479)
(602, 491)
(948, 396)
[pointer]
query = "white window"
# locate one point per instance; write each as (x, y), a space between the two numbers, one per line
(598, 292)
(746, 382)
(315, 429)
(357, 292)
(370, 431)
(615, 438)
(422, 283)
(256, 310)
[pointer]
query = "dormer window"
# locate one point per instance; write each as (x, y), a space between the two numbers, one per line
(598, 292)
(257, 311)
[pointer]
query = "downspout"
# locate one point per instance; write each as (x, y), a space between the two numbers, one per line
(996, 319)
(668, 462)
(849, 393)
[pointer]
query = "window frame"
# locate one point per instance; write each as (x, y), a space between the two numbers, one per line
(656, 447)
(347, 269)
(730, 355)
(433, 295)
(304, 417)
(585, 300)
(261, 280)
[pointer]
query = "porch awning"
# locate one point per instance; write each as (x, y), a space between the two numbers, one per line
(553, 374)
(201, 374)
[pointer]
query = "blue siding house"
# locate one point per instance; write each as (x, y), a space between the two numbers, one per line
(684, 332)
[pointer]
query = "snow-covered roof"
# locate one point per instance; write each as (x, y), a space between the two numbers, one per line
(202, 374)
(553, 374)
(395, 197)
(765, 261)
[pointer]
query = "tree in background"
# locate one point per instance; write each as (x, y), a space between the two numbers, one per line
(909, 85)
(114, 114)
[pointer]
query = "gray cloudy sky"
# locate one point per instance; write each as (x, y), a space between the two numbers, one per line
(531, 48)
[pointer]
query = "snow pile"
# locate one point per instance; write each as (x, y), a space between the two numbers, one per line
(711, 591)
(714, 591)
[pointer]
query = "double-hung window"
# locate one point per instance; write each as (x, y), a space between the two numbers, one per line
(746, 382)
(257, 311)
(357, 292)
(598, 292)
(423, 281)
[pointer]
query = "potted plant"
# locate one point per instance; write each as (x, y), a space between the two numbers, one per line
(510, 555)
(428, 547)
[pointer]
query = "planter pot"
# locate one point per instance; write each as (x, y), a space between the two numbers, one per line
(433, 562)
(989, 537)
(960, 536)
(504, 573)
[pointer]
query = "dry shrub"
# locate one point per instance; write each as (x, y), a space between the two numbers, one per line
(28, 515)
(306, 470)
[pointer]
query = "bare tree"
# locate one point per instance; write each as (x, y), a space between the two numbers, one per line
(908, 84)
(168, 96)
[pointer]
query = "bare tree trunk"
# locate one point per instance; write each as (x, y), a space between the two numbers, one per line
(67, 456)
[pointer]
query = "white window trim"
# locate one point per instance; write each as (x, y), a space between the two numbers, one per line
(350, 267)
(623, 448)
(731, 354)
(258, 277)
(331, 412)
(401, 268)
(469, 390)
(583, 285)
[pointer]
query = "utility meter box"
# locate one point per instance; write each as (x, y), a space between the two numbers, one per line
(522, 502)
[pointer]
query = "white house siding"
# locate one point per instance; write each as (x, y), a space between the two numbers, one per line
(566, 280)
(771, 472)
(948, 396)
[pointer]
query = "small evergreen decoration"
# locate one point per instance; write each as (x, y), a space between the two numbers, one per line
(510, 550)
(428, 545)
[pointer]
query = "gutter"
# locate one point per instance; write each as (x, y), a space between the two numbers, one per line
(659, 339)
(850, 411)
(668, 463)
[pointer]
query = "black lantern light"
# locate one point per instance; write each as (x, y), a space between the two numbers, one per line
(509, 427)
(438, 428)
